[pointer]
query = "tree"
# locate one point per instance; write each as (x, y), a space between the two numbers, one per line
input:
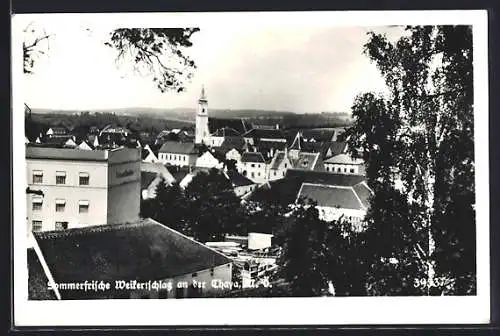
(158, 51)
(213, 209)
(417, 142)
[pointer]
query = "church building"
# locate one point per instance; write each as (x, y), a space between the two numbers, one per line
(202, 133)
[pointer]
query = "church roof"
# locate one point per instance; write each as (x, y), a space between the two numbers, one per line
(239, 125)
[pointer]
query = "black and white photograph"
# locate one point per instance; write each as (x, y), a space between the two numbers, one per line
(332, 160)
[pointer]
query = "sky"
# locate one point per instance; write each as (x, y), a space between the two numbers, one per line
(304, 69)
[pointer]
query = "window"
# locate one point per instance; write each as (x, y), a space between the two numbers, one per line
(253, 165)
(352, 170)
(84, 179)
(286, 165)
(36, 225)
(345, 170)
(283, 173)
(60, 177)
(61, 225)
(339, 170)
(37, 176)
(258, 165)
(327, 168)
(60, 205)
(253, 174)
(37, 204)
(83, 207)
(258, 174)
(274, 173)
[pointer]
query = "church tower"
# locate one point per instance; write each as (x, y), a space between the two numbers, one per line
(201, 131)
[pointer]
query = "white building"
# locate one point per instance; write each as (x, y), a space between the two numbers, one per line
(344, 164)
(253, 166)
(233, 154)
(70, 188)
(207, 160)
(180, 154)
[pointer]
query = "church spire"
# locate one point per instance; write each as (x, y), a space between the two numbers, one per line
(202, 95)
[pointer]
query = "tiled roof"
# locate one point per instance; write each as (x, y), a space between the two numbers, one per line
(344, 159)
(239, 125)
(143, 250)
(304, 161)
(252, 157)
(324, 177)
(331, 196)
(238, 179)
(147, 178)
(178, 147)
(265, 134)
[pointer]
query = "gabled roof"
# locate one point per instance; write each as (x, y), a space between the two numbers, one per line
(252, 157)
(324, 177)
(233, 142)
(143, 250)
(237, 179)
(331, 196)
(178, 147)
(304, 160)
(147, 178)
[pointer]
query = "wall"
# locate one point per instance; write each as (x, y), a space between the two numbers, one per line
(240, 191)
(344, 169)
(257, 241)
(215, 141)
(207, 160)
(72, 192)
(260, 171)
(233, 154)
(124, 192)
(181, 160)
(329, 213)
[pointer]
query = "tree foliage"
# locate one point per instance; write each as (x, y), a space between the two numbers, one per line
(417, 142)
(156, 52)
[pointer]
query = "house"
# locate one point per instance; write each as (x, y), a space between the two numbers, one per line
(254, 166)
(208, 160)
(334, 201)
(345, 164)
(218, 137)
(178, 153)
(114, 135)
(57, 131)
(271, 135)
(142, 259)
(241, 184)
(80, 188)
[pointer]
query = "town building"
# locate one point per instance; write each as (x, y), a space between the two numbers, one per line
(254, 166)
(70, 188)
(135, 254)
(57, 131)
(208, 160)
(241, 184)
(178, 153)
(344, 164)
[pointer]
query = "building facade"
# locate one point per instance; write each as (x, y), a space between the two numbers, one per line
(70, 188)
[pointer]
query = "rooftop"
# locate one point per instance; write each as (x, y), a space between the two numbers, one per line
(238, 180)
(143, 250)
(72, 154)
(344, 159)
(178, 147)
(331, 196)
(265, 134)
(252, 157)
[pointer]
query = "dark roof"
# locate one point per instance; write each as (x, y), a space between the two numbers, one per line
(226, 132)
(239, 125)
(324, 177)
(303, 161)
(37, 280)
(330, 196)
(178, 147)
(238, 180)
(252, 157)
(287, 188)
(265, 146)
(364, 193)
(65, 154)
(144, 250)
(178, 172)
(233, 142)
(147, 178)
(265, 134)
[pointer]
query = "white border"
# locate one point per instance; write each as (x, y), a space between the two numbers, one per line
(371, 310)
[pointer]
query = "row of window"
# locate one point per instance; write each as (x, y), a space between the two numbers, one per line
(339, 170)
(36, 225)
(83, 205)
(83, 177)
(175, 157)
